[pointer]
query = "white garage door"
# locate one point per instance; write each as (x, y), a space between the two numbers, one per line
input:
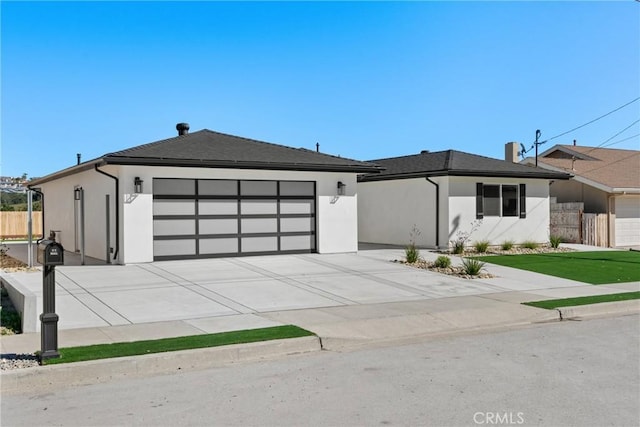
(628, 221)
(204, 218)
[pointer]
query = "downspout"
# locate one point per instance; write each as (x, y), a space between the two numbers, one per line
(42, 208)
(117, 201)
(437, 212)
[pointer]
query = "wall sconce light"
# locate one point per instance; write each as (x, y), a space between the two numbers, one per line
(341, 188)
(77, 193)
(137, 185)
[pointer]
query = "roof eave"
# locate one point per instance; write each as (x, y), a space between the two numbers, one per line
(137, 161)
(66, 172)
(484, 174)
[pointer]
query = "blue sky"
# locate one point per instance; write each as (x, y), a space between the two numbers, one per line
(365, 80)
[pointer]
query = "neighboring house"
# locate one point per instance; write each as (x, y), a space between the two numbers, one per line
(204, 194)
(606, 180)
(448, 193)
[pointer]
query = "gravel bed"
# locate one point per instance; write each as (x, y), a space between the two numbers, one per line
(18, 361)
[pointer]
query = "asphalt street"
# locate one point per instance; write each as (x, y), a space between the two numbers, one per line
(575, 373)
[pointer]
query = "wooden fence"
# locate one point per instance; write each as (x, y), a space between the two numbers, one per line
(566, 221)
(594, 229)
(13, 225)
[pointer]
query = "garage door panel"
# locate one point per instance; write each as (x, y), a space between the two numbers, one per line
(174, 186)
(174, 207)
(172, 227)
(259, 244)
(259, 207)
(297, 207)
(213, 187)
(297, 188)
(218, 226)
(218, 207)
(219, 245)
(258, 188)
(259, 225)
(296, 224)
(174, 247)
(297, 243)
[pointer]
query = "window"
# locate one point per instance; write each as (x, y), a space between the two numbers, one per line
(500, 200)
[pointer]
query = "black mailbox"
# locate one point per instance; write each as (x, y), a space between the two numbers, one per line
(50, 252)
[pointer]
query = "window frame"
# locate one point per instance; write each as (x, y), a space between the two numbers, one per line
(520, 210)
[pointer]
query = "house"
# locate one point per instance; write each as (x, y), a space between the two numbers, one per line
(434, 198)
(606, 180)
(204, 194)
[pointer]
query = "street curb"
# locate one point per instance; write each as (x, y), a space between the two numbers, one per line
(599, 309)
(44, 378)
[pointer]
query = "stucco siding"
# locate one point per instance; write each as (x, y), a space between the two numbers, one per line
(388, 211)
(60, 211)
(336, 216)
(495, 229)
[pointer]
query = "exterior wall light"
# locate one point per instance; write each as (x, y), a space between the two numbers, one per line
(137, 185)
(77, 193)
(341, 188)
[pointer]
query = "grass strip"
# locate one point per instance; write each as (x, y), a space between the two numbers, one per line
(596, 268)
(136, 348)
(594, 299)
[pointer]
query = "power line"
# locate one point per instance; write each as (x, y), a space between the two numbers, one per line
(621, 140)
(618, 133)
(592, 121)
(536, 143)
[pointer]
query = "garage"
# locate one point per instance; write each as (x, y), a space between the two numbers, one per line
(628, 221)
(204, 218)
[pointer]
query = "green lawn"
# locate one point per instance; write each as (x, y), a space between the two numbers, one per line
(596, 268)
(594, 299)
(136, 348)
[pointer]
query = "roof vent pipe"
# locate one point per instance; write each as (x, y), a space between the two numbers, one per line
(79, 156)
(182, 128)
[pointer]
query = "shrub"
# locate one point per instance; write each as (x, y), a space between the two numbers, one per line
(411, 253)
(555, 241)
(507, 245)
(442, 261)
(530, 245)
(472, 266)
(458, 246)
(481, 246)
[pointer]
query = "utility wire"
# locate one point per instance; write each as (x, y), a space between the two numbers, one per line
(583, 125)
(592, 121)
(621, 140)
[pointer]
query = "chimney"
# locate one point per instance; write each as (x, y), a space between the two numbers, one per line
(511, 152)
(575, 142)
(183, 128)
(79, 157)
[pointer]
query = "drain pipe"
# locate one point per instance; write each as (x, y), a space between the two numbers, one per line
(437, 212)
(35, 190)
(117, 184)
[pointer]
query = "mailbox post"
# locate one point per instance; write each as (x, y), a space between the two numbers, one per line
(50, 254)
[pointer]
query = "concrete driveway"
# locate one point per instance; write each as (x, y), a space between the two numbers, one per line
(241, 288)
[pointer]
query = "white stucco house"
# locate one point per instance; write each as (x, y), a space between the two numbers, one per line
(204, 194)
(442, 194)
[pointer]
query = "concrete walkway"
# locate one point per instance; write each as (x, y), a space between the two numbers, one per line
(341, 297)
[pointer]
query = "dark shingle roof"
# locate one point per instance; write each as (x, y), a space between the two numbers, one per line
(454, 163)
(206, 148)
